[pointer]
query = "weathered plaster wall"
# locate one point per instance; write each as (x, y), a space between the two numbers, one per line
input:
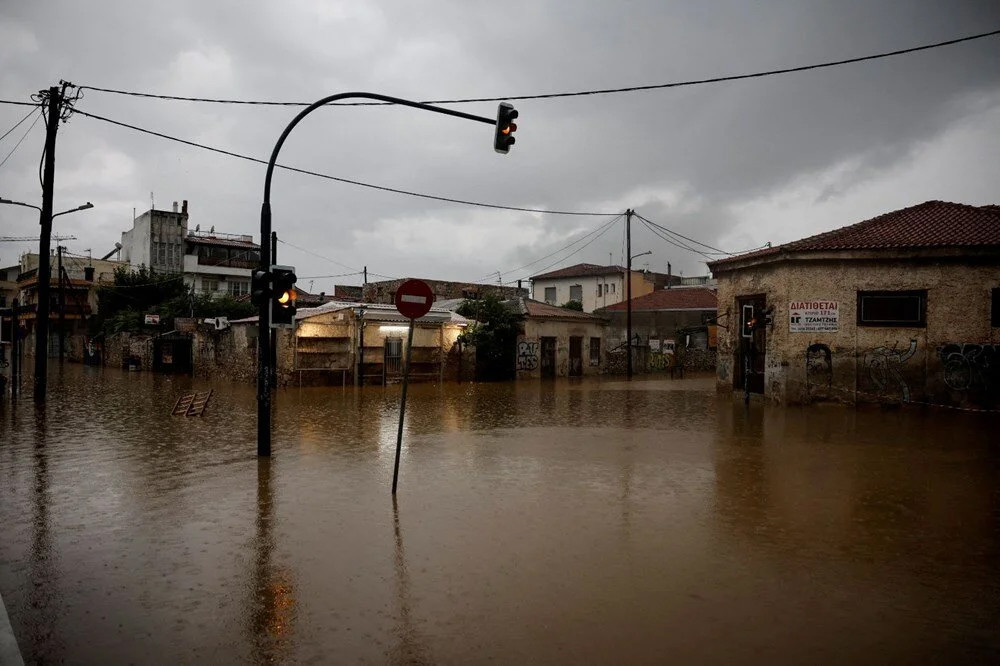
(529, 347)
(949, 361)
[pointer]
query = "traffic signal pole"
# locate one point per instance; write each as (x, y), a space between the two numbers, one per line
(264, 383)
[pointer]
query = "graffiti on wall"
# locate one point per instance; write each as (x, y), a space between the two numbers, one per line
(971, 366)
(660, 361)
(819, 366)
(527, 355)
(884, 365)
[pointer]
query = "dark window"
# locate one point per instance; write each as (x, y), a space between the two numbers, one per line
(892, 308)
(595, 351)
(995, 308)
(550, 295)
(576, 292)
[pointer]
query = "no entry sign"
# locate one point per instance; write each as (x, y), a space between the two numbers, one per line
(414, 299)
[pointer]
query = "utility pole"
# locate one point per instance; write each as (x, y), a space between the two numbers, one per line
(62, 306)
(628, 293)
(361, 333)
(55, 97)
(15, 350)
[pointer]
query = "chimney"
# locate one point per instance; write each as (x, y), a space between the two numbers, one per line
(175, 206)
(184, 207)
(669, 279)
(88, 273)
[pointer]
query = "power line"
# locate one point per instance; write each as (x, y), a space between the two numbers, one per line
(23, 137)
(580, 93)
(338, 179)
(670, 231)
(582, 248)
(659, 234)
(9, 101)
(16, 125)
(565, 247)
(320, 256)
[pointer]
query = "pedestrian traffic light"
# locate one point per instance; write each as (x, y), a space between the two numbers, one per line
(260, 287)
(283, 296)
(504, 137)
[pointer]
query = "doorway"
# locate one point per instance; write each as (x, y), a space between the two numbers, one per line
(548, 359)
(575, 356)
(749, 354)
(392, 359)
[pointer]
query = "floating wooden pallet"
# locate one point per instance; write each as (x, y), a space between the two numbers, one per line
(192, 404)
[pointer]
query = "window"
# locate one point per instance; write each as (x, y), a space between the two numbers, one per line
(892, 308)
(576, 293)
(595, 351)
(210, 285)
(612, 287)
(995, 309)
(550, 295)
(598, 291)
(238, 288)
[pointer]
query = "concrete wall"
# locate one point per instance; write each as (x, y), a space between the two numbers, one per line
(949, 361)
(659, 324)
(529, 346)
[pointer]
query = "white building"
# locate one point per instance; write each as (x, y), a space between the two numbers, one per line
(211, 262)
(592, 285)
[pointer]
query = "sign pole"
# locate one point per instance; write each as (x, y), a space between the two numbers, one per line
(402, 407)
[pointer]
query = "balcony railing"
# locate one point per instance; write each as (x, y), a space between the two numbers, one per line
(229, 263)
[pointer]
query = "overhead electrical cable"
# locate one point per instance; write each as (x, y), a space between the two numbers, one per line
(16, 125)
(15, 103)
(715, 250)
(23, 137)
(577, 251)
(579, 93)
(565, 247)
(677, 244)
(320, 256)
(348, 181)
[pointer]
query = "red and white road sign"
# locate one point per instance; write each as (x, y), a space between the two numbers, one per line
(414, 299)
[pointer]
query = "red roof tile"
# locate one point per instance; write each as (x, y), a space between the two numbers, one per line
(696, 298)
(581, 270)
(930, 224)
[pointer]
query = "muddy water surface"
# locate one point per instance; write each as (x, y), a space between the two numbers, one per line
(587, 521)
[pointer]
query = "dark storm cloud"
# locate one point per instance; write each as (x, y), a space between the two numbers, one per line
(689, 158)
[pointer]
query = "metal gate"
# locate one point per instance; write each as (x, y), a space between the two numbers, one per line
(393, 356)
(548, 360)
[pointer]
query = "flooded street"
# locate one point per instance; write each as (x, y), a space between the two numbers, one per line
(564, 522)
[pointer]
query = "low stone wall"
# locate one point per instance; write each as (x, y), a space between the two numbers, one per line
(121, 346)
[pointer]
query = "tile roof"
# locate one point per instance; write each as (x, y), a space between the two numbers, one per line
(581, 270)
(532, 308)
(678, 298)
(930, 224)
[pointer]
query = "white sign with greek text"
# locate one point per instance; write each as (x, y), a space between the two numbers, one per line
(813, 316)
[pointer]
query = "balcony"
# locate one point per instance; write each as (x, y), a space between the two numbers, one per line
(249, 264)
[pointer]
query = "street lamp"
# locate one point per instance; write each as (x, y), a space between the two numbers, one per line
(27, 205)
(264, 356)
(642, 254)
(73, 210)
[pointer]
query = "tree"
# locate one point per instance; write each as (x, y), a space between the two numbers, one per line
(573, 305)
(494, 334)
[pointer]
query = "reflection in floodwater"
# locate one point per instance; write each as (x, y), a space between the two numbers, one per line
(272, 606)
(410, 649)
(561, 521)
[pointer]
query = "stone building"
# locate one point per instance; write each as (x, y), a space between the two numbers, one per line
(557, 342)
(904, 307)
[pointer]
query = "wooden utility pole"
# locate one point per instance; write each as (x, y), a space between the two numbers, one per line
(54, 100)
(628, 293)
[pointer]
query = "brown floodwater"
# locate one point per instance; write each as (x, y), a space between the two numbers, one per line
(547, 522)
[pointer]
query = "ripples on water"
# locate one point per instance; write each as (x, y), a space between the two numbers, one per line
(552, 522)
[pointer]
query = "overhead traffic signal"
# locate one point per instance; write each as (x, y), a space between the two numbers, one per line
(283, 296)
(260, 287)
(503, 139)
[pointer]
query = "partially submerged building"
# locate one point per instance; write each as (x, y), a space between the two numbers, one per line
(558, 342)
(904, 307)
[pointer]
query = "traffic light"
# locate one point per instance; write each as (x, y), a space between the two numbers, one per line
(283, 296)
(260, 287)
(504, 137)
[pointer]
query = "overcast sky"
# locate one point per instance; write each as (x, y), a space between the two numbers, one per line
(733, 165)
